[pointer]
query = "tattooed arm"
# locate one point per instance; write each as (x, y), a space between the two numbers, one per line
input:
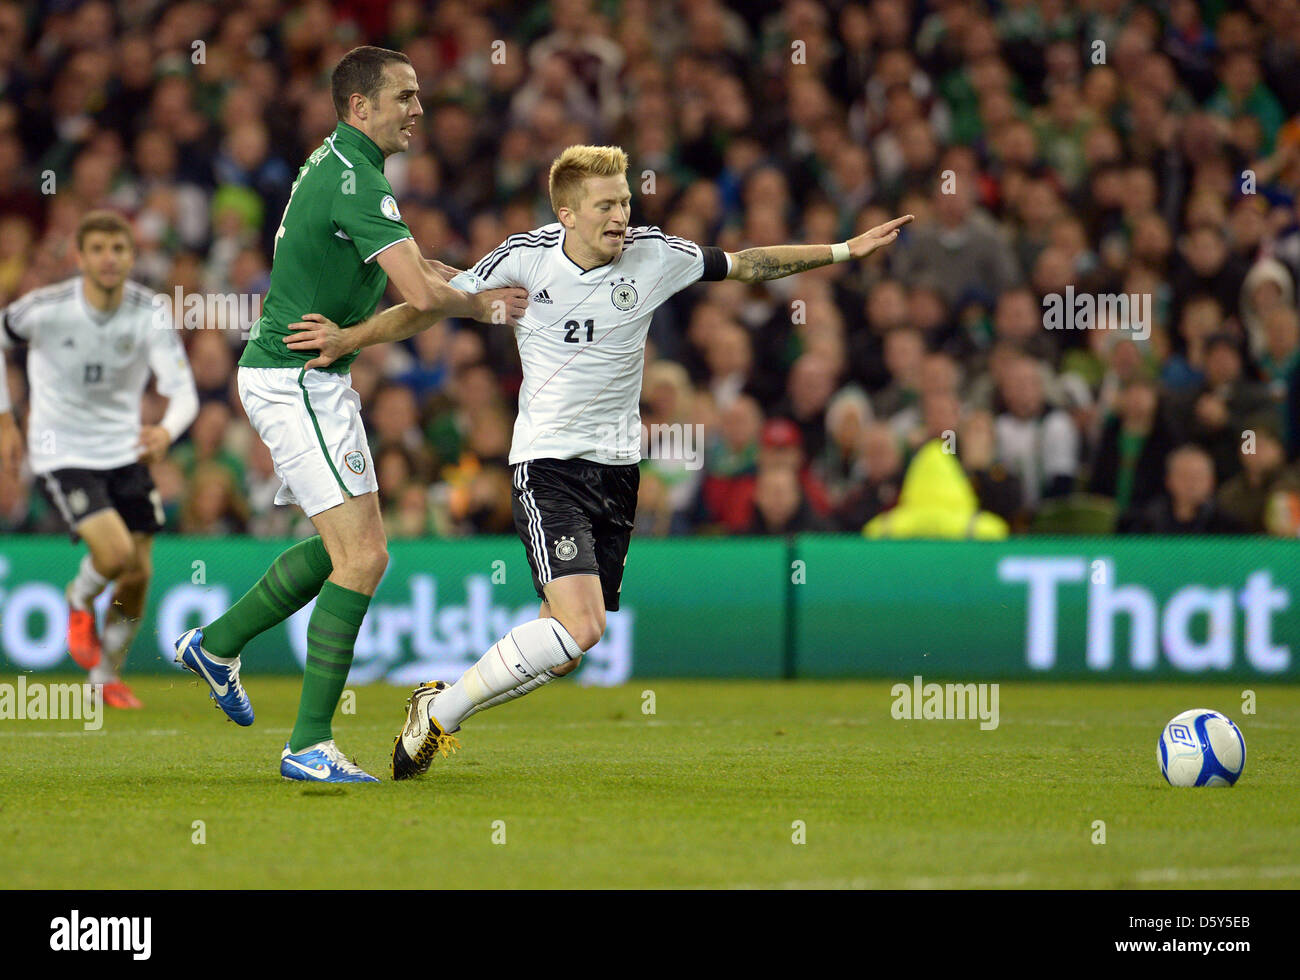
(779, 261)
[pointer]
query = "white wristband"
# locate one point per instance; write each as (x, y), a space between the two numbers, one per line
(840, 252)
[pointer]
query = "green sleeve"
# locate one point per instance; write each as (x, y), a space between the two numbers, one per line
(369, 217)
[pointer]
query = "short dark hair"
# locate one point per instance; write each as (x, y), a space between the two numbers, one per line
(109, 222)
(1221, 339)
(361, 70)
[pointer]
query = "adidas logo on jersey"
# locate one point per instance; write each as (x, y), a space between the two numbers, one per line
(542, 296)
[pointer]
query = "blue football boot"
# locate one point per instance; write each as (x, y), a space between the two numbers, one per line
(224, 681)
(322, 763)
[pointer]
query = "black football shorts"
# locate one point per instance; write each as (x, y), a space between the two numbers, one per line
(575, 518)
(129, 490)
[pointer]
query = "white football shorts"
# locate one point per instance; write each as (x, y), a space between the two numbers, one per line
(311, 423)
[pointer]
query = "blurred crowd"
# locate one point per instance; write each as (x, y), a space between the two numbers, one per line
(1144, 149)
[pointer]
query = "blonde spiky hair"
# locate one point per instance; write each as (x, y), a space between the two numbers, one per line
(575, 165)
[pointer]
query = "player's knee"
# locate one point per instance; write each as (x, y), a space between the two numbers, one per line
(567, 668)
(111, 567)
(136, 574)
(587, 630)
(113, 560)
(373, 559)
(368, 559)
(139, 566)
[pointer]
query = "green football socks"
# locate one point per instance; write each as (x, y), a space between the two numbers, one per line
(291, 582)
(331, 634)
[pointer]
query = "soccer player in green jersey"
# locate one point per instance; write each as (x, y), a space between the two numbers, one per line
(340, 241)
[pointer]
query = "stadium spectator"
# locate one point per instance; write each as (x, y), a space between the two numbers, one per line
(207, 444)
(408, 514)
(1018, 320)
(1128, 465)
(1184, 368)
(936, 501)
(1280, 351)
(1267, 288)
(780, 445)
(1214, 414)
(997, 489)
(904, 351)
(886, 311)
(396, 418)
(1036, 442)
(730, 359)
(172, 488)
(810, 387)
(213, 366)
(670, 443)
(729, 462)
(213, 505)
(939, 388)
(1122, 176)
(261, 484)
(15, 504)
(847, 416)
(878, 470)
(780, 506)
(1187, 506)
(1264, 472)
(472, 390)
(1205, 265)
(654, 511)
(961, 251)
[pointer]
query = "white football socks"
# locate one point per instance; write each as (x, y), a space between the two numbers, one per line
(525, 654)
(119, 634)
(527, 687)
(102, 673)
(115, 641)
(88, 584)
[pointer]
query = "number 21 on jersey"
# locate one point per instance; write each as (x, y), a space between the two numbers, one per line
(571, 328)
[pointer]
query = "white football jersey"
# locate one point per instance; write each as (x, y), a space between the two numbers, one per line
(582, 339)
(87, 371)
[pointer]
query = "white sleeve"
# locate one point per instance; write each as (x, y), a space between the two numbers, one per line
(11, 337)
(500, 267)
(467, 282)
(175, 380)
(681, 259)
(17, 322)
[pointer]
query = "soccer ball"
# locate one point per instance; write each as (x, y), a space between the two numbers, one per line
(1201, 748)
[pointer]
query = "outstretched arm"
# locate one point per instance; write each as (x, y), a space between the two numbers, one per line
(319, 333)
(779, 261)
(423, 284)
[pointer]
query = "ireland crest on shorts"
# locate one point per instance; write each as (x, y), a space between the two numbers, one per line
(355, 461)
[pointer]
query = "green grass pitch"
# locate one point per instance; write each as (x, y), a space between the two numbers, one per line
(577, 787)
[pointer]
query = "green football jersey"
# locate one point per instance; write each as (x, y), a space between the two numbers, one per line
(341, 214)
